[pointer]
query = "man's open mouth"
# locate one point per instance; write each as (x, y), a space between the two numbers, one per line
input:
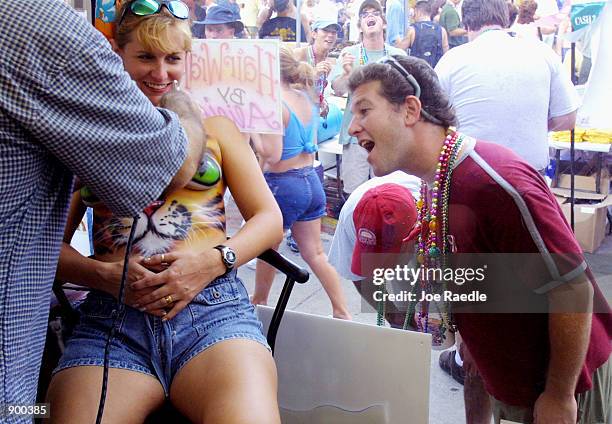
(366, 144)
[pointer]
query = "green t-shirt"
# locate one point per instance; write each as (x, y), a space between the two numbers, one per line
(450, 21)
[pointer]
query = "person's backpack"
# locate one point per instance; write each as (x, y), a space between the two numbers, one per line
(427, 43)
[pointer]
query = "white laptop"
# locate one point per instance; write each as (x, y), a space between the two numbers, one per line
(335, 372)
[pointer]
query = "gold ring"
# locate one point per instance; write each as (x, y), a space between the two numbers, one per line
(162, 257)
(168, 299)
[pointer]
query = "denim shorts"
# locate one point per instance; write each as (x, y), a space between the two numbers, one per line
(146, 344)
(299, 194)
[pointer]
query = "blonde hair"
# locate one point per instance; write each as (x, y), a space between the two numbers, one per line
(154, 32)
(295, 73)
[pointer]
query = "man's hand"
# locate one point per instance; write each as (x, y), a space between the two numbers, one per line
(340, 83)
(347, 61)
(569, 329)
(555, 409)
(265, 12)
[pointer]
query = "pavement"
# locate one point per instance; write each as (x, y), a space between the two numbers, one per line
(446, 396)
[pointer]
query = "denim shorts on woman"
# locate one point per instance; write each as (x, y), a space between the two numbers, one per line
(299, 194)
(146, 344)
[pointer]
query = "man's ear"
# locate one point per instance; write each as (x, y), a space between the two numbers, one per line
(114, 45)
(412, 107)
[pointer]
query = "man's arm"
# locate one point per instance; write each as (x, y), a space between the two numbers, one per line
(406, 43)
(564, 100)
(444, 40)
(563, 123)
(340, 74)
(457, 32)
(569, 328)
(265, 13)
(107, 133)
(306, 27)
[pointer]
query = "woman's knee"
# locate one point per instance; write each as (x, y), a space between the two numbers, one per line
(234, 381)
(313, 254)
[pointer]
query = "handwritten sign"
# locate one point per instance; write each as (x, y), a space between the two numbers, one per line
(239, 79)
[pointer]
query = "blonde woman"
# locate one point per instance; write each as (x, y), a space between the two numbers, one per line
(295, 184)
(188, 333)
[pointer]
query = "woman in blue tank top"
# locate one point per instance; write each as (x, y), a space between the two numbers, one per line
(287, 163)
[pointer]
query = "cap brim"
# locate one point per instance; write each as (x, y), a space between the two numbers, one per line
(373, 4)
(326, 26)
(238, 26)
(336, 27)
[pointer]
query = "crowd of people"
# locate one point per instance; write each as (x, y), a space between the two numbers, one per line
(444, 140)
(278, 19)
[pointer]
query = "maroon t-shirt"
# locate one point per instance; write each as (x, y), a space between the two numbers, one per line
(517, 215)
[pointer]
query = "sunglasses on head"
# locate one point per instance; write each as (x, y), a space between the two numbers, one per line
(391, 61)
(150, 7)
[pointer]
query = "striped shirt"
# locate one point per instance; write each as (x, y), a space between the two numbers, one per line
(66, 107)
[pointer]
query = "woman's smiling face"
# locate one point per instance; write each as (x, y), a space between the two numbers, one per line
(153, 70)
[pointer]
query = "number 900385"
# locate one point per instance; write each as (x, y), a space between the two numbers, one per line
(37, 410)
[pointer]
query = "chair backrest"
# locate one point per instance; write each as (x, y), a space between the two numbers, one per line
(294, 274)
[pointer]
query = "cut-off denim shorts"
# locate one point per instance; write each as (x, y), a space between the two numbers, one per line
(299, 194)
(144, 343)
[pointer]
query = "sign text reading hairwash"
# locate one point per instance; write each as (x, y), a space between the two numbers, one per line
(238, 79)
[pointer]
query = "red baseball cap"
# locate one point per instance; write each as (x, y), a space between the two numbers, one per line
(383, 218)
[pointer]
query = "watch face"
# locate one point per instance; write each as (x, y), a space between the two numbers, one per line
(227, 255)
(230, 256)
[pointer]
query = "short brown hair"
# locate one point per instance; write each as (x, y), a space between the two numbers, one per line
(423, 6)
(395, 88)
(479, 13)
